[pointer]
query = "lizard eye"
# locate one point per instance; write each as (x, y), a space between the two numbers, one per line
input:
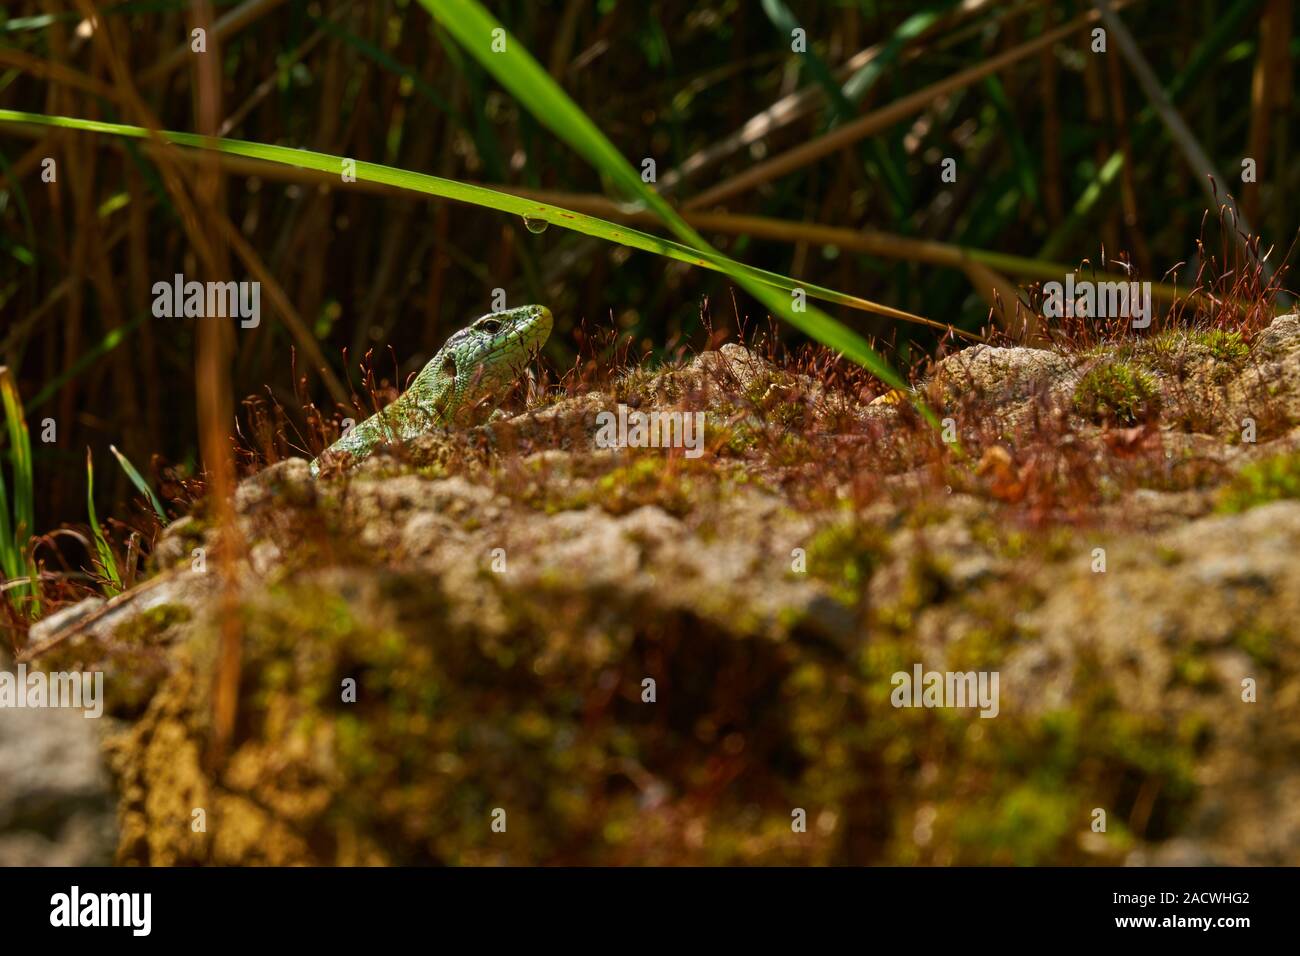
(490, 326)
(449, 368)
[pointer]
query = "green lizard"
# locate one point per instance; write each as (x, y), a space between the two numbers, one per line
(476, 362)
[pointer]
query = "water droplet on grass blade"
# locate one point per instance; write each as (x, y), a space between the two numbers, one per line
(535, 225)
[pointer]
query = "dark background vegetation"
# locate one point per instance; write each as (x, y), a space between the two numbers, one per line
(689, 83)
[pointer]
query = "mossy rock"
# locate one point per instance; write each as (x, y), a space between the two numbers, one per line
(478, 689)
(1225, 346)
(1272, 479)
(845, 555)
(1117, 393)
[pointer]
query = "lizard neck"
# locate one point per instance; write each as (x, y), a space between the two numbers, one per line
(429, 401)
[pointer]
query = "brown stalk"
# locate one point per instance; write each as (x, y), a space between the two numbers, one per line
(234, 21)
(216, 409)
(280, 301)
(25, 163)
(1212, 181)
(55, 72)
(306, 341)
(1003, 299)
(562, 46)
(138, 269)
(215, 405)
(1053, 176)
(264, 89)
(1280, 17)
(1128, 188)
(1270, 89)
(297, 328)
(795, 106)
(1094, 109)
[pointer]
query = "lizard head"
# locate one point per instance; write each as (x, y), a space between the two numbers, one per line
(479, 360)
(489, 353)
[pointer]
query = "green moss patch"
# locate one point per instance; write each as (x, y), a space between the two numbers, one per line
(1272, 479)
(1117, 393)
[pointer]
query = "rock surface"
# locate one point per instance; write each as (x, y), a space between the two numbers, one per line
(56, 798)
(632, 656)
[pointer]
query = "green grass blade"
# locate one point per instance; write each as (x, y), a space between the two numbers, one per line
(786, 23)
(17, 513)
(515, 68)
(15, 185)
(860, 83)
(1020, 152)
(10, 560)
(706, 257)
(110, 341)
(138, 480)
(20, 453)
(882, 165)
(107, 562)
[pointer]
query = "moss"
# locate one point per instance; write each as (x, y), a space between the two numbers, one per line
(1167, 350)
(845, 555)
(1272, 479)
(133, 661)
(1169, 557)
(1028, 785)
(776, 399)
(148, 626)
(1260, 642)
(452, 720)
(1223, 345)
(649, 480)
(981, 647)
(528, 697)
(793, 414)
(1112, 351)
(926, 514)
(1024, 826)
(736, 438)
(1117, 393)
(1166, 343)
(675, 484)
(1014, 544)
(926, 583)
(1193, 670)
(1059, 545)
